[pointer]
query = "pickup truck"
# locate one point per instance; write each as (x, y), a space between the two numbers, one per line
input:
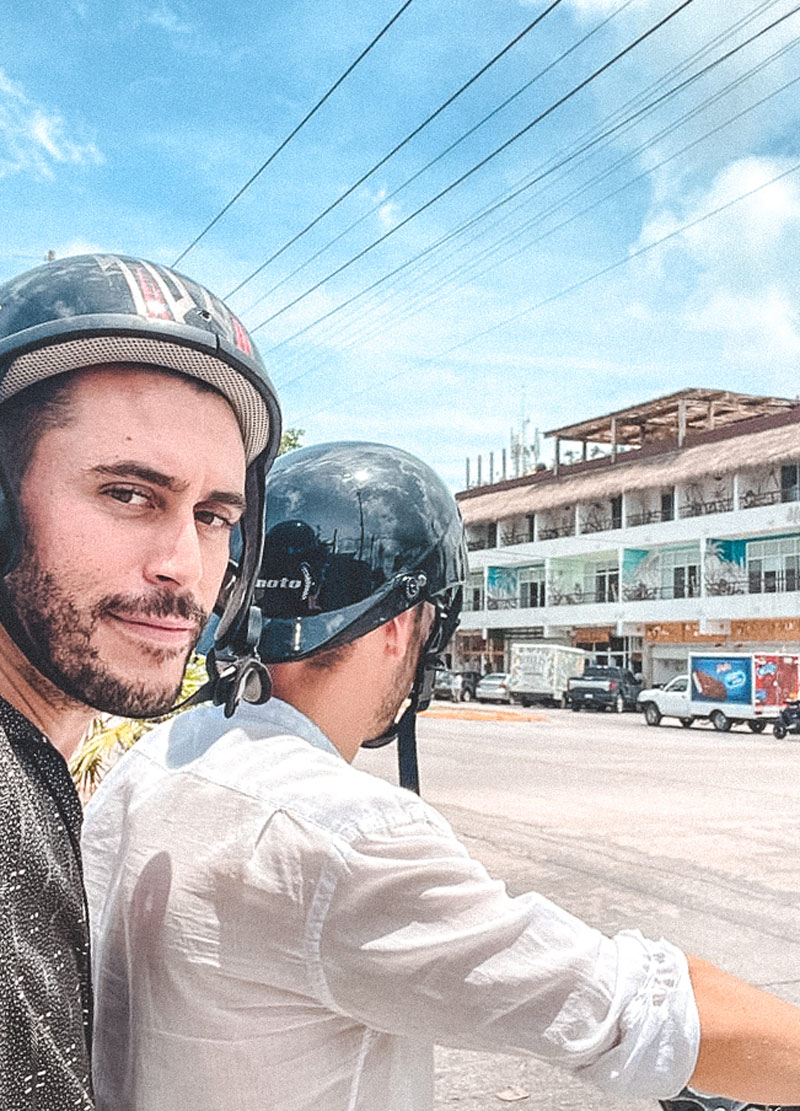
(671, 701)
(604, 688)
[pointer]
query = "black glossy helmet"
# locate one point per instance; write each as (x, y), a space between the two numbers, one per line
(96, 309)
(357, 533)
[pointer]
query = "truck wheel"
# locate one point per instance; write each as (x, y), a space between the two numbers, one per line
(619, 704)
(652, 714)
(574, 706)
(563, 702)
(779, 730)
(687, 723)
(466, 695)
(756, 726)
(721, 722)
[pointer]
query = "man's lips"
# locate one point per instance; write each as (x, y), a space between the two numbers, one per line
(156, 628)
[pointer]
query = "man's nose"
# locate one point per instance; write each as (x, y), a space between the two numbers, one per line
(175, 555)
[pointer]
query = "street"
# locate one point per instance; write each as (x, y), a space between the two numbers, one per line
(684, 833)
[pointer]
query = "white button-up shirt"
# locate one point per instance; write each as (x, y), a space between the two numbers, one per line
(274, 929)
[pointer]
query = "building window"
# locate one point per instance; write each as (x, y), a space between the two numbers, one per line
(680, 573)
(668, 504)
(491, 534)
(616, 512)
(605, 586)
(789, 482)
(531, 587)
(773, 566)
(473, 595)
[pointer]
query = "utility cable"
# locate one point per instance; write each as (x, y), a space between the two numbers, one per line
(638, 253)
(293, 132)
(428, 165)
(403, 142)
(426, 299)
(540, 175)
(466, 270)
(483, 162)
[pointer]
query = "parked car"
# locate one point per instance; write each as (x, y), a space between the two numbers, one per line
(604, 688)
(493, 688)
(457, 686)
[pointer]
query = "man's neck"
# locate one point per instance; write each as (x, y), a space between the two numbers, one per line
(62, 720)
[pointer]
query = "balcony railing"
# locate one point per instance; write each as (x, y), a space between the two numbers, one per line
(773, 582)
(515, 536)
(477, 544)
(702, 508)
(579, 597)
(644, 592)
(649, 517)
(555, 532)
(600, 524)
(751, 499)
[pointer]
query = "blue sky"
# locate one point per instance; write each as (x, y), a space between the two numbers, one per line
(127, 127)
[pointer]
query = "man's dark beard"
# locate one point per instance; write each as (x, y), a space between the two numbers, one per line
(63, 635)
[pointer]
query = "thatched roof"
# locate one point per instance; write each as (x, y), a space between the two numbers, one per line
(637, 470)
(672, 416)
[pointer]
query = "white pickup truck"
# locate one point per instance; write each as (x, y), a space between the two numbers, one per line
(671, 701)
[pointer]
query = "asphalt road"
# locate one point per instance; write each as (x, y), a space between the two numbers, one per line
(684, 833)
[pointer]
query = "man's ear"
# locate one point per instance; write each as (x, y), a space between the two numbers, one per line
(401, 632)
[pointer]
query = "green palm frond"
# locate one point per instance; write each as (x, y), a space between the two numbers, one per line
(107, 738)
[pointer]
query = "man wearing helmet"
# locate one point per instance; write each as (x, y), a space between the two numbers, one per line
(276, 929)
(134, 418)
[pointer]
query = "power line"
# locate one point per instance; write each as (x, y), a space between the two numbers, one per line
(403, 142)
(442, 154)
(429, 295)
(479, 165)
(549, 168)
(425, 298)
(645, 249)
(294, 132)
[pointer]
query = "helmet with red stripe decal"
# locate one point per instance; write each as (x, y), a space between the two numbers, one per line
(92, 310)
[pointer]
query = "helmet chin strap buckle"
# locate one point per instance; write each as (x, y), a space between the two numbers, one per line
(245, 679)
(237, 672)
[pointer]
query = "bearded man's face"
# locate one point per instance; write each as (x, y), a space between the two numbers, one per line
(127, 511)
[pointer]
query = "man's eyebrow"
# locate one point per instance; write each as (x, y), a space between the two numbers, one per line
(130, 468)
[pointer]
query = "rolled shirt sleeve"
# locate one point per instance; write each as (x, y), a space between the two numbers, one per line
(410, 936)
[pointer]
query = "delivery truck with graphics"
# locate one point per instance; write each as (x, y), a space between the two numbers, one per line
(539, 671)
(727, 689)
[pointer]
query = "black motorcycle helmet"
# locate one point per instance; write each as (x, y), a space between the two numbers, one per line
(356, 533)
(90, 310)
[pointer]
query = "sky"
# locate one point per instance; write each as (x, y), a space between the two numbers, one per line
(633, 228)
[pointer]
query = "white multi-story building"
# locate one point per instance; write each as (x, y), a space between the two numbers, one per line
(686, 532)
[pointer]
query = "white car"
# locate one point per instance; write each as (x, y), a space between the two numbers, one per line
(671, 701)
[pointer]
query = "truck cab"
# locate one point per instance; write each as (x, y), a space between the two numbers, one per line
(670, 701)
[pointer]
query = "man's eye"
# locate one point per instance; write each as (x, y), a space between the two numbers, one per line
(128, 496)
(213, 520)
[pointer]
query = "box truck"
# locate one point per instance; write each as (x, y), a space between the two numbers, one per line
(539, 671)
(728, 689)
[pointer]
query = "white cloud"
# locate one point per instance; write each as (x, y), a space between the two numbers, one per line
(33, 138)
(167, 19)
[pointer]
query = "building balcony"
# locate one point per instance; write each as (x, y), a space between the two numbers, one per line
(579, 597)
(600, 524)
(704, 508)
(642, 592)
(556, 532)
(648, 517)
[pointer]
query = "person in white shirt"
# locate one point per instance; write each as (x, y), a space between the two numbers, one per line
(274, 928)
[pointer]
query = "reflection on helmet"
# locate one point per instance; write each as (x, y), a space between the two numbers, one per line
(355, 534)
